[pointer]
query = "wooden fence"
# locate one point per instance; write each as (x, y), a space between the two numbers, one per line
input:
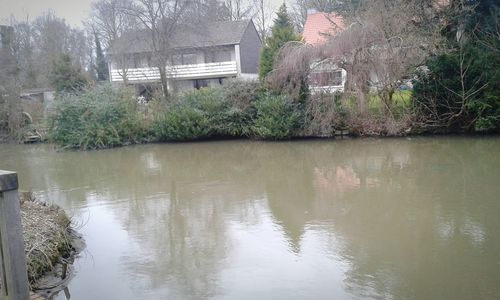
(13, 275)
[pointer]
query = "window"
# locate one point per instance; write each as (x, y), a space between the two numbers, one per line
(222, 56)
(326, 78)
(200, 83)
(184, 59)
(217, 56)
(177, 59)
(189, 59)
(140, 61)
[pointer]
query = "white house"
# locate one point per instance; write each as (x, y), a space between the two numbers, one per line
(198, 57)
(325, 76)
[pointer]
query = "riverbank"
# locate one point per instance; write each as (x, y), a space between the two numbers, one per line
(109, 116)
(50, 242)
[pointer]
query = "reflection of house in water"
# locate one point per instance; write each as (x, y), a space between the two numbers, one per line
(342, 179)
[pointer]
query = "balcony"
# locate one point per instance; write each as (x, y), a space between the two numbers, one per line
(198, 71)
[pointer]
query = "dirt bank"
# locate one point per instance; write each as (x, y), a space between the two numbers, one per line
(49, 239)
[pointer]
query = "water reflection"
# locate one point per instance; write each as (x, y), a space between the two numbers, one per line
(383, 219)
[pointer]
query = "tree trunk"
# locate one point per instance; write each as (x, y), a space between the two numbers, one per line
(164, 82)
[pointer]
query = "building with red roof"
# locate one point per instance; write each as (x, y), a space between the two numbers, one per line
(319, 26)
(325, 76)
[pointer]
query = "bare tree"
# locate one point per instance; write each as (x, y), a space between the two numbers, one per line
(238, 9)
(37, 43)
(110, 21)
(161, 18)
(298, 11)
(326, 5)
(9, 88)
(23, 50)
(263, 16)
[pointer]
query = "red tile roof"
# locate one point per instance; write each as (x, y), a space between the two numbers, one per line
(321, 25)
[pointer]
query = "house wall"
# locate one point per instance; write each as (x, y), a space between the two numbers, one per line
(250, 48)
(200, 56)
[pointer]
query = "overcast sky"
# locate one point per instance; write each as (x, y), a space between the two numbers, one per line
(74, 11)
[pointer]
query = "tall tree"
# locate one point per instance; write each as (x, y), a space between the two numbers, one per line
(112, 19)
(109, 19)
(101, 65)
(37, 43)
(298, 12)
(161, 19)
(9, 89)
(281, 33)
(263, 13)
(238, 9)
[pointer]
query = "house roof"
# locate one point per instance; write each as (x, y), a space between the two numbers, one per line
(321, 25)
(185, 36)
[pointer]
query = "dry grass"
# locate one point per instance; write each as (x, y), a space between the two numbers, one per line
(46, 235)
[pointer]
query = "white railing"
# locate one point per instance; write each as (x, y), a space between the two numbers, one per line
(198, 71)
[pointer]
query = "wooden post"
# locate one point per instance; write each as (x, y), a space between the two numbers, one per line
(13, 274)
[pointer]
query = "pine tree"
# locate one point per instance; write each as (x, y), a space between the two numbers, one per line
(281, 33)
(64, 77)
(101, 64)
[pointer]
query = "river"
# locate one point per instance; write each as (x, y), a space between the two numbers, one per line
(415, 218)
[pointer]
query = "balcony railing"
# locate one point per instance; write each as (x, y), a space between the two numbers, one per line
(198, 71)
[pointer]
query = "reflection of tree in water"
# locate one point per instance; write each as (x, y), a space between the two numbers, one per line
(390, 203)
(287, 179)
(180, 217)
(415, 219)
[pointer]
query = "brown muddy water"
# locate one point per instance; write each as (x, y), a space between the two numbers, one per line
(352, 219)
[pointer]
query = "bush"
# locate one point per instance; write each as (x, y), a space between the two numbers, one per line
(208, 112)
(324, 114)
(242, 94)
(460, 91)
(65, 77)
(182, 122)
(95, 119)
(459, 99)
(276, 118)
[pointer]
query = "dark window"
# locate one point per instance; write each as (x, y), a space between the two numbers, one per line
(200, 83)
(218, 56)
(222, 56)
(177, 59)
(138, 61)
(189, 59)
(326, 78)
(184, 59)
